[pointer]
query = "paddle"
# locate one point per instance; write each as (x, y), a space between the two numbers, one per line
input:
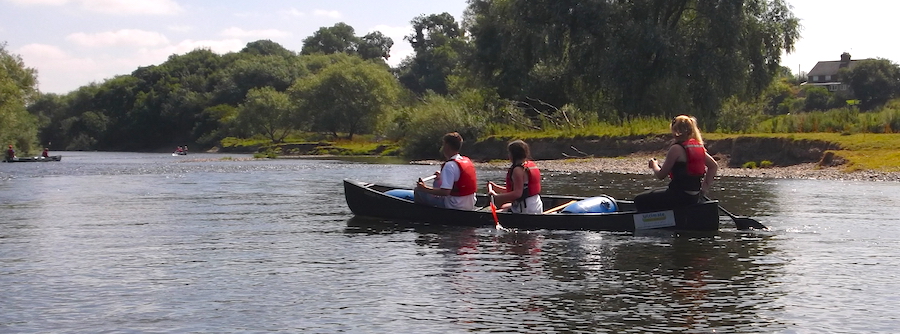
(494, 208)
(559, 207)
(742, 223)
(428, 178)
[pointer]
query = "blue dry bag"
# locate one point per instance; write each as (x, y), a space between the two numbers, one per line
(599, 204)
(401, 193)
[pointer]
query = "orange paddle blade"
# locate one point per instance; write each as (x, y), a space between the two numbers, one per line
(494, 212)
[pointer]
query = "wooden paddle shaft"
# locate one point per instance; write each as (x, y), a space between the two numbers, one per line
(559, 207)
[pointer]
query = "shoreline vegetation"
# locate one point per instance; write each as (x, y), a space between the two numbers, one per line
(825, 156)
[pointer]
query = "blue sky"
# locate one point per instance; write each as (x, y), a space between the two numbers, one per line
(74, 42)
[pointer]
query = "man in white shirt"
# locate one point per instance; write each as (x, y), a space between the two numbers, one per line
(456, 183)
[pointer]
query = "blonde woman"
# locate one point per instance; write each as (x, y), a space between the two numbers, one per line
(691, 169)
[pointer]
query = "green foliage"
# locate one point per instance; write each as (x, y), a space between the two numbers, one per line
(341, 38)
(420, 128)
(438, 42)
(270, 113)
(645, 57)
(818, 98)
(765, 164)
(749, 165)
(874, 82)
(736, 116)
(17, 89)
(841, 120)
(346, 97)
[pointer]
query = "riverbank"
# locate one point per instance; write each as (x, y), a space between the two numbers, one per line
(637, 164)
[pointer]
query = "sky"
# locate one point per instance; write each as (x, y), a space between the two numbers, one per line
(72, 43)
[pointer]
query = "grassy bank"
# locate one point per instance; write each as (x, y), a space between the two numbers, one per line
(863, 151)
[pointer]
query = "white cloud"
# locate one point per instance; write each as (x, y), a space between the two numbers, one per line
(126, 7)
(59, 71)
(327, 13)
(40, 2)
(245, 15)
(293, 12)
(124, 37)
(180, 28)
(118, 7)
(149, 56)
(236, 32)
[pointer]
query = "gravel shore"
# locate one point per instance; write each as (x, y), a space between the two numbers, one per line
(637, 164)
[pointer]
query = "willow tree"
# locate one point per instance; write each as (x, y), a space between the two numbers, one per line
(646, 57)
(17, 90)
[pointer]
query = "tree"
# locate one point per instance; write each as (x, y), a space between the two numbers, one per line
(643, 56)
(268, 112)
(334, 39)
(265, 47)
(437, 41)
(375, 45)
(346, 97)
(17, 89)
(874, 82)
(817, 98)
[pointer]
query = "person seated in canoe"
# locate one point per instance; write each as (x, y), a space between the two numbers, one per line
(687, 163)
(45, 153)
(10, 153)
(456, 182)
(521, 194)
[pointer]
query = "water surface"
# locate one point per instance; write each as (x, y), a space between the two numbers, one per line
(130, 242)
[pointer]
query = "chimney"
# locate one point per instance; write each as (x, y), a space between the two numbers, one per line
(845, 60)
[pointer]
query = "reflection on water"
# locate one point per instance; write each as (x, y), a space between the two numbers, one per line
(129, 242)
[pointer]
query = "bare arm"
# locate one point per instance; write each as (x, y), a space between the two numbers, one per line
(518, 179)
(675, 153)
(712, 167)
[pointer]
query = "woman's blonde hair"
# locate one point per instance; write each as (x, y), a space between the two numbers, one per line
(685, 127)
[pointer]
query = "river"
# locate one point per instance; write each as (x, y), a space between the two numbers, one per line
(211, 243)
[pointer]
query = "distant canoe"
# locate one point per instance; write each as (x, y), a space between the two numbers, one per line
(36, 159)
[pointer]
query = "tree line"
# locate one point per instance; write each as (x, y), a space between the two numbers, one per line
(520, 64)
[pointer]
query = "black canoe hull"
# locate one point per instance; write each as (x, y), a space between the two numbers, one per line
(369, 200)
(36, 159)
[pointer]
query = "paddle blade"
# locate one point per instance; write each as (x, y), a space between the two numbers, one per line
(744, 223)
(494, 213)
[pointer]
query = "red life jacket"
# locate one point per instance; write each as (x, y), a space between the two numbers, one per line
(695, 154)
(467, 183)
(532, 182)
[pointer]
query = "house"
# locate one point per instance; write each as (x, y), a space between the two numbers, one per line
(825, 74)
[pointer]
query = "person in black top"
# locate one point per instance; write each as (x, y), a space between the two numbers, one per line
(691, 169)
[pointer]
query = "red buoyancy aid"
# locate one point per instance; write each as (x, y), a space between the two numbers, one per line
(696, 157)
(533, 186)
(468, 182)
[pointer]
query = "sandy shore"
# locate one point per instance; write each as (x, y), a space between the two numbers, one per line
(637, 164)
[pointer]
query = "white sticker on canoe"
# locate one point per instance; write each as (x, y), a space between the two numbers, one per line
(651, 220)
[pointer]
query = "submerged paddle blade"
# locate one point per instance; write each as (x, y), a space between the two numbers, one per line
(744, 223)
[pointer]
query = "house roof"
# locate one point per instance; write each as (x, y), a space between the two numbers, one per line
(823, 68)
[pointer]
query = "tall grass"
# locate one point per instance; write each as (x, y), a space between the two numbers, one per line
(635, 126)
(843, 120)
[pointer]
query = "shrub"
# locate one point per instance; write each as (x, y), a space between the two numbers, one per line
(420, 128)
(765, 164)
(750, 164)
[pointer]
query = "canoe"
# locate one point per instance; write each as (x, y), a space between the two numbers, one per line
(371, 200)
(36, 159)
